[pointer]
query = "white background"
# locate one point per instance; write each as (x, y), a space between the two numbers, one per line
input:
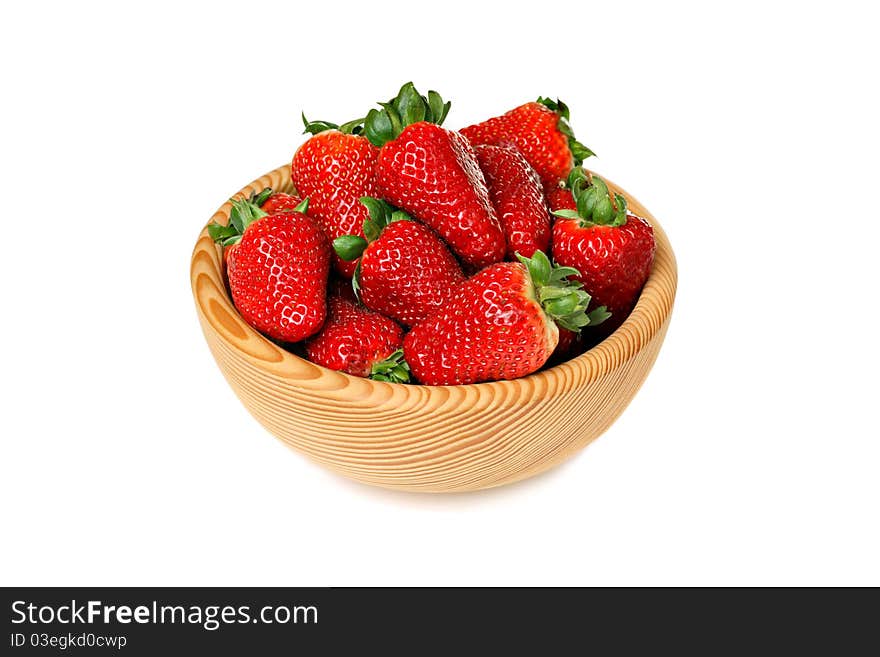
(751, 454)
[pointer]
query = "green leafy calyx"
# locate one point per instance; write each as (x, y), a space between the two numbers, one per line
(381, 214)
(562, 298)
(408, 107)
(596, 205)
(350, 247)
(393, 369)
(243, 213)
(578, 151)
(314, 127)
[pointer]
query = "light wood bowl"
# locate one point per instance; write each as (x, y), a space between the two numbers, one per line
(424, 438)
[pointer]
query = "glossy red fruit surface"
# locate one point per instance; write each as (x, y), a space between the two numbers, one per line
(279, 201)
(278, 273)
(492, 329)
(614, 261)
(518, 198)
(612, 249)
(433, 174)
(535, 130)
(559, 198)
(407, 273)
(334, 170)
(353, 339)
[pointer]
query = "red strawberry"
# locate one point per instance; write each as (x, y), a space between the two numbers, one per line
(501, 324)
(272, 202)
(359, 342)
(613, 250)
(405, 270)
(559, 197)
(277, 267)
(334, 169)
(279, 201)
(518, 197)
(433, 174)
(541, 132)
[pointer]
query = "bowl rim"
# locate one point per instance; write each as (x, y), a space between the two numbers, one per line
(651, 312)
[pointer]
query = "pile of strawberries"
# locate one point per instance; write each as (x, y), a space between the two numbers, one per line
(414, 251)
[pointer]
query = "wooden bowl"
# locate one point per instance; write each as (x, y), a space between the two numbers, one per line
(431, 438)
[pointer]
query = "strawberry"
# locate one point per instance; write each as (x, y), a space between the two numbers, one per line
(559, 197)
(272, 202)
(501, 324)
(541, 132)
(518, 197)
(277, 267)
(612, 249)
(334, 168)
(279, 201)
(269, 202)
(405, 270)
(359, 342)
(432, 173)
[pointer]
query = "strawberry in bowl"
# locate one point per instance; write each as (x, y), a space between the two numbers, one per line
(404, 271)
(500, 324)
(277, 267)
(612, 249)
(492, 307)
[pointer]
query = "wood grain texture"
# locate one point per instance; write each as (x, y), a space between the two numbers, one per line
(421, 438)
